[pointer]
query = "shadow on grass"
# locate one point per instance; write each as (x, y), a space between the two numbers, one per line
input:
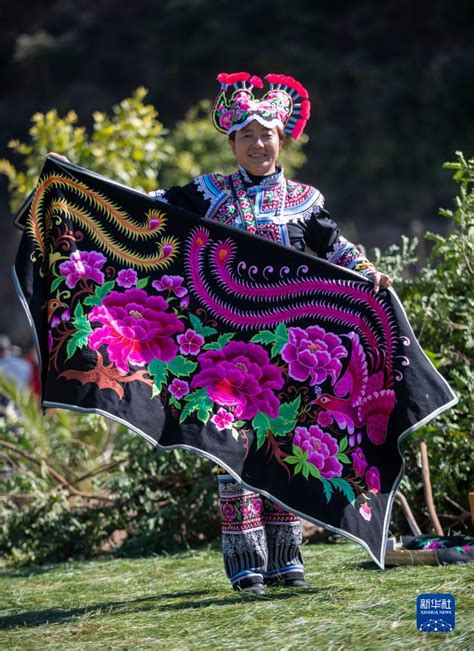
(55, 616)
(372, 567)
(21, 573)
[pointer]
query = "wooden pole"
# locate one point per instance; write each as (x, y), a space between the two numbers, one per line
(425, 471)
(413, 524)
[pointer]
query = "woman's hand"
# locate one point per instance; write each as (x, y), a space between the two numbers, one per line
(53, 153)
(380, 280)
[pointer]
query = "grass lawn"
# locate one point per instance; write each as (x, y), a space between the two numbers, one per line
(184, 602)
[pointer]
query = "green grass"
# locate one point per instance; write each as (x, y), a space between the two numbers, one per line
(184, 602)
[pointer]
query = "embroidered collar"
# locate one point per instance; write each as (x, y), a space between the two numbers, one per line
(272, 179)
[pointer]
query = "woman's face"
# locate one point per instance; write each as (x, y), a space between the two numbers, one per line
(256, 148)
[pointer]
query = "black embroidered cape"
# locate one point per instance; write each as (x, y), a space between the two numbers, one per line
(286, 370)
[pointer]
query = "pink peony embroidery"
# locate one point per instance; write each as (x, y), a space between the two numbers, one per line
(178, 388)
(136, 328)
(241, 376)
(324, 419)
(322, 449)
(372, 477)
(171, 284)
(313, 353)
(365, 511)
(190, 342)
(228, 511)
(358, 462)
(223, 419)
(127, 278)
(83, 265)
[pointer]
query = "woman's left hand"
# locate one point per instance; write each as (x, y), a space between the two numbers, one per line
(380, 280)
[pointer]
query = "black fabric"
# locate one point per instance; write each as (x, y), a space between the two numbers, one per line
(287, 371)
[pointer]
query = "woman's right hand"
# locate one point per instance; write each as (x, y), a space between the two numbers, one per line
(53, 153)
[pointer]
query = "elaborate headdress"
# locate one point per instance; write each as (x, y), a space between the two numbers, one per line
(286, 104)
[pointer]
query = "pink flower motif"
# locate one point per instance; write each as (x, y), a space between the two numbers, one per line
(246, 509)
(322, 449)
(324, 419)
(372, 477)
(50, 341)
(433, 544)
(136, 328)
(359, 462)
(313, 353)
(178, 388)
(83, 265)
(365, 511)
(257, 506)
(184, 302)
(223, 419)
(127, 278)
(170, 284)
(190, 342)
(228, 511)
(66, 315)
(225, 120)
(55, 321)
(241, 376)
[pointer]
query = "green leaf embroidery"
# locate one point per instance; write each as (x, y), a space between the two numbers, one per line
(261, 425)
(221, 342)
(287, 418)
(343, 458)
(143, 282)
(197, 401)
(281, 338)
(264, 337)
(78, 340)
(343, 444)
(200, 328)
(100, 292)
(314, 471)
(174, 402)
(56, 282)
(182, 367)
(238, 424)
(327, 486)
(159, 372)
(344, 487)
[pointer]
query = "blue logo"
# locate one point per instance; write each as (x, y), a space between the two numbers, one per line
(435, 612)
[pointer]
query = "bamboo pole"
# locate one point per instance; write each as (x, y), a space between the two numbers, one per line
(412, 523)
(425, 471)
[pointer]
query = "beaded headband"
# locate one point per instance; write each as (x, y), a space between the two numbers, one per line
(286, 104)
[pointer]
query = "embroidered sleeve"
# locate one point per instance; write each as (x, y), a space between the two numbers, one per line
(322, 236)
(345, 254)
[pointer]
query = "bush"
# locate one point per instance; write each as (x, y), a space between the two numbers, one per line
(73, 485)
(439, 301)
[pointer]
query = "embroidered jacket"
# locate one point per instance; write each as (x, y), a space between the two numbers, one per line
(284, 211)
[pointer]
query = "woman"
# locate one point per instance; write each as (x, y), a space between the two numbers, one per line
(260, 541)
